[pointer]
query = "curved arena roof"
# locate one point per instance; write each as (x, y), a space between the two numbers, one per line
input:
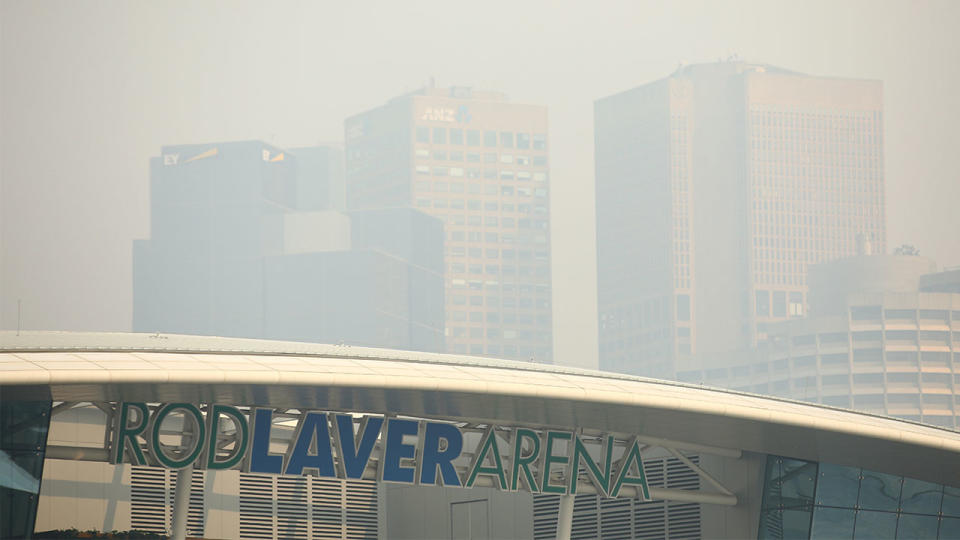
(163, 368)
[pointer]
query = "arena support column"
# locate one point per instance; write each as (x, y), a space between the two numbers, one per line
(565, 517)
(181, 503)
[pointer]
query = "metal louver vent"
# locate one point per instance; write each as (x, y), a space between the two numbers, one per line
(307, 508)
(151, 500)
(595, 517)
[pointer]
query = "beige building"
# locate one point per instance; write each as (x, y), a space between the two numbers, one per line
(717, 187)
(883, 336)
(480, 164)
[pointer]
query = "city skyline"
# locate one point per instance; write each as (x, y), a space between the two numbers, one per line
(294, 83)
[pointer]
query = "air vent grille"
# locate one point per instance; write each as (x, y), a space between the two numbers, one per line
(151, 500)
(307, 508)
(595, 517)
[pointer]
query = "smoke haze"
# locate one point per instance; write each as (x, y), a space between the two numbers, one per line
(90, 91)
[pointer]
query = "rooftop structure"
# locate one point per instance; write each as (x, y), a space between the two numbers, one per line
(755, 460)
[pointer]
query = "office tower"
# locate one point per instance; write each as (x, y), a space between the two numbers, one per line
(479, 163)
(716, 188)
(882, 335)
(244, 243)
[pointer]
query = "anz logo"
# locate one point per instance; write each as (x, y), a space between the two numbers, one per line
(446, 114)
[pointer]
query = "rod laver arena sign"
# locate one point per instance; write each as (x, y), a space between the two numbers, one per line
(513, 459)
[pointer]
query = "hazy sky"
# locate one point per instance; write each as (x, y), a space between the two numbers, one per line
(91, 90)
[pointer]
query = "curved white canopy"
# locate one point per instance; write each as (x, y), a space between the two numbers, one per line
(162, 368)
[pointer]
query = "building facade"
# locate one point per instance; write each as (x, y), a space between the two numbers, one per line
(246, 241)
(716, 188)
(480, 164)
(97, 426)
(882, 336)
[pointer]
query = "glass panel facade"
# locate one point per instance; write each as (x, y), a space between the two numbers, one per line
(23, 440)
(804, 499)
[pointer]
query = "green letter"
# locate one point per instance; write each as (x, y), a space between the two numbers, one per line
(155, 435)
(489, 443)
(213, 418)
(632, 458)
(601, 480)
(127, 434)
(523, 463)
(549, 459)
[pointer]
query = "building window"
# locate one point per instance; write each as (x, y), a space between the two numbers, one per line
(473, 138)
(779, 303)
(423, 134)
(763, 303)
(523, 140)
(539, 142)
(456, 136)
(683, 308)
(490, 138)
(506, 139)
(440, 135)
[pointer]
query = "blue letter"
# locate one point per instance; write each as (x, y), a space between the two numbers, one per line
(354, 460)
(432, 456)
(396, 450)
(313, 425)
(261, 460)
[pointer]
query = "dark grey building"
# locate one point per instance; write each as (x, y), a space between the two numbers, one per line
(246, 242)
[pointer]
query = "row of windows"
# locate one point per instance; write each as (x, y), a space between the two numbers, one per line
(521, 237)
(486, 174)
(474, 205)
(506, 287)
(873, 313)
(911, 336)
(495, 317)
(496, 270)
(840, 361)
(498, 333)
(779, 303)
(475, 137)
(495, 221)
(508, 302)
(423, 186)
(501, 207)
(495, 253)
(489, 157)
(505, 351)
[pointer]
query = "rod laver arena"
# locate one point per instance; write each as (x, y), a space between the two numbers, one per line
(229, 438)
(438, 445)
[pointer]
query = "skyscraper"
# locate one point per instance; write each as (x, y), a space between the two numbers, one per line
(245, 243)
(716, 188)
(480, 164)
